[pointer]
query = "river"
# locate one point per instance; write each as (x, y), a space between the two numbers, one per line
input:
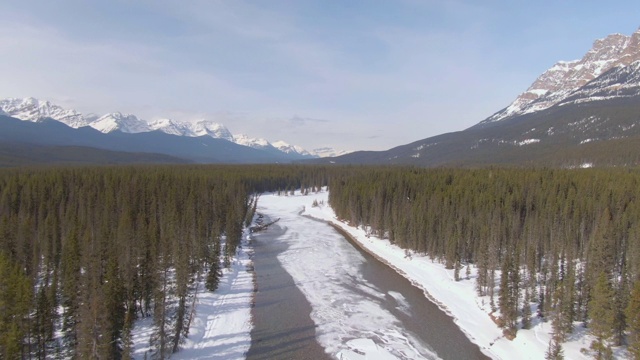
(319, 296)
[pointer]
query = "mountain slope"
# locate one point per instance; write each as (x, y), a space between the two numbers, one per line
(589, 135)
(19, 154)
(583, 113)
(562, 79)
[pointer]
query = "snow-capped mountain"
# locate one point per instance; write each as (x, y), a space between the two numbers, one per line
(215, 130)
(199, 128)
(169, 126)
(291, 149)
(125, 123)
(30, 109)
(562, 79)
(256, 143)
(328, 152)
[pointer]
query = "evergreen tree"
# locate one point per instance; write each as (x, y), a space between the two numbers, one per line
(602, 315)
(633, 320)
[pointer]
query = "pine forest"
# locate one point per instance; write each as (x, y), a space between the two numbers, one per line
(85, 251)
(563, 245)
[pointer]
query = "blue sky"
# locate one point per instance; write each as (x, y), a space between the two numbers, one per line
(357, 75)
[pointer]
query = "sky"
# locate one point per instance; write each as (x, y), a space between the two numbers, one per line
(348, 74)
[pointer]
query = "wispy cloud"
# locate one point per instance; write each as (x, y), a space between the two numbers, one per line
(301, 121)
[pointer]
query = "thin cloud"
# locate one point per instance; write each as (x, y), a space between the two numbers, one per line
(301, 121)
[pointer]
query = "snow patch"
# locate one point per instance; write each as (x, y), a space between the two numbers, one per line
(528, 142)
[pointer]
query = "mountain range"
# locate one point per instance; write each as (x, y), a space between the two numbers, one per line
(34, 110)
(578, 113)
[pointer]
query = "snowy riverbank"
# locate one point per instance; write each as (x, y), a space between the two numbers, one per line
(457, 298)
(222, 324)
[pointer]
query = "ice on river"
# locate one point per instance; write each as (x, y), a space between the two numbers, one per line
(351, 322)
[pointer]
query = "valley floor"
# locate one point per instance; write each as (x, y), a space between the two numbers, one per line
(223, 325)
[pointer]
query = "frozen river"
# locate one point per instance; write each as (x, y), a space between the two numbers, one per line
(318, 293)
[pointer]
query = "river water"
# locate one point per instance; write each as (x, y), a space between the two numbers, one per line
(319, 297)
(282, 328)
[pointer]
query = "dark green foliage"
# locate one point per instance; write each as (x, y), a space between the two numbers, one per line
(549, 234)
(554, 351)
(633, 319)
(15, 303)
(602, 316)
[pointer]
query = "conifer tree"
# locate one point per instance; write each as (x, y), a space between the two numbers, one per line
(602, 317)
(633, 321)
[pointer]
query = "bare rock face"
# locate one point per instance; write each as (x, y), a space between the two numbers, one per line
(565, 77)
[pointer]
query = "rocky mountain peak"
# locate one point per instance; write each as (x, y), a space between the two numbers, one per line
(559, 81)
(126, 123)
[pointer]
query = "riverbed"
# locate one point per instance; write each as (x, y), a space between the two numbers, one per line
(325, 293)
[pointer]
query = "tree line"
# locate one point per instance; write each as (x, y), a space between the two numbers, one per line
(563, 245)
(86, 251)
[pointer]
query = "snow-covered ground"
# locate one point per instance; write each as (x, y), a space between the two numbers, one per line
(222, 324)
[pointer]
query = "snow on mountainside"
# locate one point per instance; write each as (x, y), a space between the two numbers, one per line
(619, 82)
(200, 128)
(170, 127)
(30, 109)
(328, 152)
(256, 143)
(126, 123)
(562, 79)
(212, 129)
(290, 149)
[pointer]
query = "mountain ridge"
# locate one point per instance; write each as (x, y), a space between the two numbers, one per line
(564, 77)
(34, 110)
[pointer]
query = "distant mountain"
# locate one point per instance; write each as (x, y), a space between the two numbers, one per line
(291, 149)
(33, 110)
(20, 154)
(203, 149)
(576, 114)
(125, 123)
(256, 143)
(199, 128)
(328, 152)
